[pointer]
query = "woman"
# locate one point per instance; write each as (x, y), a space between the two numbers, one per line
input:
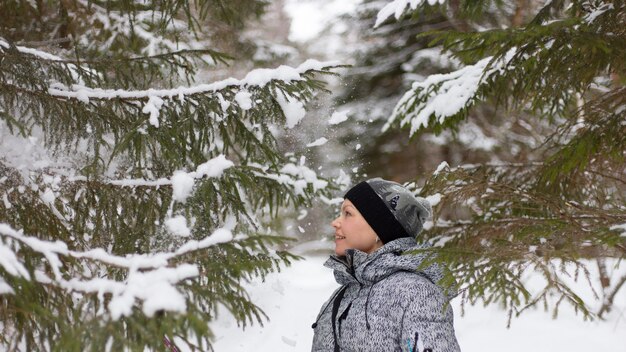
(384, 304)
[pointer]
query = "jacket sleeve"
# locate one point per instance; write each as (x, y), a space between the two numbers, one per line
(427, 322)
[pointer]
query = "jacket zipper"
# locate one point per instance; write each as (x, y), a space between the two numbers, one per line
(343, 316)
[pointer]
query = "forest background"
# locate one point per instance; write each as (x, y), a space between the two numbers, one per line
(143, 190)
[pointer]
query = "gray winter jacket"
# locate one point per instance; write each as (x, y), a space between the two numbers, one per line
(385, 305)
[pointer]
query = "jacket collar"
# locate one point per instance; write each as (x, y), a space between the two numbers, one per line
(358, 266)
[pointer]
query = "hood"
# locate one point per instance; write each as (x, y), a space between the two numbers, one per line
(367, 269)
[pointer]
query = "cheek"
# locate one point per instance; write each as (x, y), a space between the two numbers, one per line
(363, 229)
(360, 234)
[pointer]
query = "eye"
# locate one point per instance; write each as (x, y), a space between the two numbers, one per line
(347, 213)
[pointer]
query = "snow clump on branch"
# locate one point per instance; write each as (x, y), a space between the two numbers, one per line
(444, 95)
(149, 279)
(397, 8)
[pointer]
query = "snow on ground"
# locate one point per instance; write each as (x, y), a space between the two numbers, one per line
(293, 297)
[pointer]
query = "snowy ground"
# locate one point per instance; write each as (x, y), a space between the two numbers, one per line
(292, 299)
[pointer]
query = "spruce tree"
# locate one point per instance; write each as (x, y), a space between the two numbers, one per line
(560, 64)
(383, 70)
(136, 199)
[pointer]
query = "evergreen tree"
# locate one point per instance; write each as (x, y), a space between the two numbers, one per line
(393, 57)
(559, 63)
(133, 206)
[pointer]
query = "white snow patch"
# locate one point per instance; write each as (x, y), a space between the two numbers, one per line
(5, 200)
(343, 179)
(331, 201)
(397, 8)
(83, 97)
(10, 263)
(224, 104)
(214, 167)
(178, 226)
(134, 182)
(48, 196)
(243, 98)
(317, 142)
(434, 199)
(292, 108)
(338, 117)
(443, 165)
(182, 185)
(152, 107)
(183, 182)
(155, 289)
(596, 12)
(218, 236)
(621, 228)
(5, 288)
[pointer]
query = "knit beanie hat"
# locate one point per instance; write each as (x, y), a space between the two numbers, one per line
(390, 209)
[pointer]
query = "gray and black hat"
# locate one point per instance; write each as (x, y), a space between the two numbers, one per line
(390, 209)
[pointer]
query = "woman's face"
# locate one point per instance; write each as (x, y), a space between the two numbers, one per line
(352, 231)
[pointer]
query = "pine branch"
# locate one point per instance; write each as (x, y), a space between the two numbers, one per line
(610, 297)
(514, 222)
(133, 116)
(442, 100)
(146, 206)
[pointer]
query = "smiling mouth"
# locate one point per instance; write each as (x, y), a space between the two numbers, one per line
(339, 237)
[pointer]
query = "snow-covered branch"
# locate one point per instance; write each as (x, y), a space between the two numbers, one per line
(156, 98)
(397, 7)
(26, 50)
(444, 95)
(150, 279)
(296, 176)
(258, 78)
(40, 54)
(140, 24)
(119, 202)
(621, 228)
(595, 10)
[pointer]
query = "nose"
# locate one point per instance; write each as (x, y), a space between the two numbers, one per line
(335, 223)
